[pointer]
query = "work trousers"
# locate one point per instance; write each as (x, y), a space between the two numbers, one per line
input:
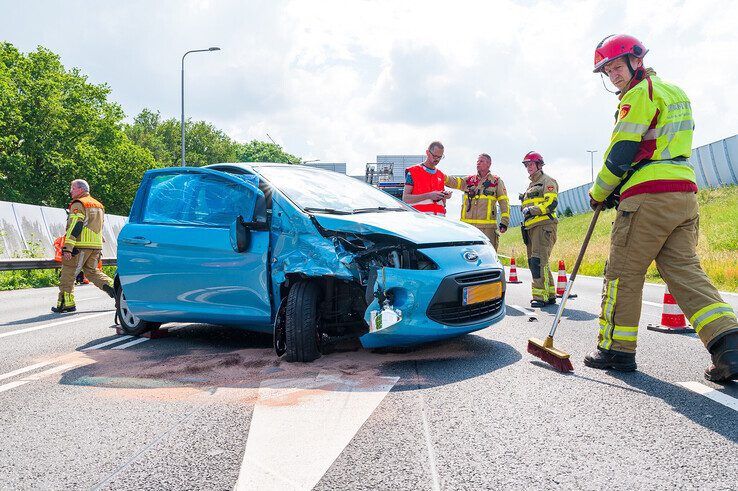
(663, 227)
(85, 260)
(491, 232)
(541, 240)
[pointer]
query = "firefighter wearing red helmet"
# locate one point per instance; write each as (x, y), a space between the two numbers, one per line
(646, 174)
(538, 204)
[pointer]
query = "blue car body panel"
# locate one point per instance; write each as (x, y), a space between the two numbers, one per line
(191, 273)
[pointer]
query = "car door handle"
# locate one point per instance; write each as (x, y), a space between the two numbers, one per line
(136, 241)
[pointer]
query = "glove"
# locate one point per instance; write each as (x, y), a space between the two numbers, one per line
(593, 203)
(503, 228)
(526, 212)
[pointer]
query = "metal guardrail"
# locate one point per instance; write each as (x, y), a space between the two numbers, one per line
(38, 263)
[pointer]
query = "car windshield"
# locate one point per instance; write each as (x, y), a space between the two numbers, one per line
(329, 192)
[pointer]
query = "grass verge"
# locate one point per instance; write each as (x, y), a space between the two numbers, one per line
(717, 247)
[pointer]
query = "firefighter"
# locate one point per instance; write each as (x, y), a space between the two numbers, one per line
(647, 176)
(539, 228)
(482, 192)
(82, 246)
(425, 183)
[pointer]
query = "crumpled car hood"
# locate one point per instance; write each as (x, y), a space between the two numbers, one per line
(414, 227)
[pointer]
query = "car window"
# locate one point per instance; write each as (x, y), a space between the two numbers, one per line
(317, 189)
(218, 202)
(167, 196)
(196, 199)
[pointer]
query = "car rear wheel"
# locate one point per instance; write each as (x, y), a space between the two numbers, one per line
(129, 322)
(302, 322)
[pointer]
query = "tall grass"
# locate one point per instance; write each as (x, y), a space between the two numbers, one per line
(717, 247)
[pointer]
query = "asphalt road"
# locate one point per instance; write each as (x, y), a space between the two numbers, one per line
(211, 407)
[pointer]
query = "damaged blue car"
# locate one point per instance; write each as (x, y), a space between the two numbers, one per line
(308, 255)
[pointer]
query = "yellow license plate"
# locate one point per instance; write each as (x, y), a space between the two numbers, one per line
(481, 293)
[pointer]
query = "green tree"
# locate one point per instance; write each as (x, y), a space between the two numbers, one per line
(55, 126)
(259, 151)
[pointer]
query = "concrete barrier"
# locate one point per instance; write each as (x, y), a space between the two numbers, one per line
(29, 231)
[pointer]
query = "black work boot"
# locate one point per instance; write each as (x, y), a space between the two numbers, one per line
(109, 290)
(724, 359)
(551, 301)
(535, 303)
(617, 360)
(65, 303)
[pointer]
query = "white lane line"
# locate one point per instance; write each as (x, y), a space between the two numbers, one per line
(652, 304)
(711, 393)
(322, 413)
(108, 343)
(13, 385)
(131, 343)
(39, 375)
(29, 368)
(52, 371)
(71, 319)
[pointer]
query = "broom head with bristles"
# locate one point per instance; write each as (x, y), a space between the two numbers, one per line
(546, 352)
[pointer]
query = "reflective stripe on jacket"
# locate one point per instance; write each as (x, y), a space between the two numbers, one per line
(84, 224)
(650, 143)
(479, 206)
(542, 197)
(425, 182)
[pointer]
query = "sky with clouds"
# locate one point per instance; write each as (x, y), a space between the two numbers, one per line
(344, 81)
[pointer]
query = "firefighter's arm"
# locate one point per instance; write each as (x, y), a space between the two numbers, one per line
(504, 203)
(455, 183)
(636, 112)
(550, 198)
(75, 223)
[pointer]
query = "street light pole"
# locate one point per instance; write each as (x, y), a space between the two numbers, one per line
(591, 163)
(183, 118)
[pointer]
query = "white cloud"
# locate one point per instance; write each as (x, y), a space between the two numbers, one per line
(347, 80)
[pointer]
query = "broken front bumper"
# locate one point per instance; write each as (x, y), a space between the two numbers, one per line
(431, 305)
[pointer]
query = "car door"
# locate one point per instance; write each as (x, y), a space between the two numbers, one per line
(176, 262)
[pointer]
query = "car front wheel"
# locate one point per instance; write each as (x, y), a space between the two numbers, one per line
(129, 322)
(302, 322)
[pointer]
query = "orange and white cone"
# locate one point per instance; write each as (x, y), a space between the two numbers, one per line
(561, 281)
(673, 319)
(513, 272)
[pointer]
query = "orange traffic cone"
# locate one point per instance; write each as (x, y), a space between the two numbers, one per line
(513, 272)
(673, 319)
(561, 281)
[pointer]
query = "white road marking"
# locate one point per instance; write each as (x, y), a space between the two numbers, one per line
(300, 426)
(13, 385)
(652, 304)
(29, 368)
(61, 368)
(529, 312)
(71, 319)
(711, 393)
(108, 343)
(131, 343)
(38, 376)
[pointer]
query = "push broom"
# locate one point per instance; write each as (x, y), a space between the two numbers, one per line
(545, 349)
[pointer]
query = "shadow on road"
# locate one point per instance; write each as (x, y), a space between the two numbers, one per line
(694, 406)
(202, 357)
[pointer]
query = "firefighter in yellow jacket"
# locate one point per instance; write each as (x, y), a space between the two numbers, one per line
(82, 246)
(647, 174)
(483, 191)
(538, 204)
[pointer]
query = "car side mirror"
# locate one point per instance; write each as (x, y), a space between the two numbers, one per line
(239, 235)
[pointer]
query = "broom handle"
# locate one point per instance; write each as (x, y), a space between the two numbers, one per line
(573, 275)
